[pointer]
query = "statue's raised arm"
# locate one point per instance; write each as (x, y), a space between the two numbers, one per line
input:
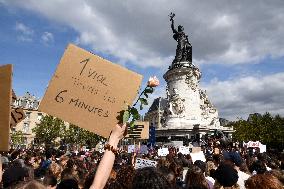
(172, 15)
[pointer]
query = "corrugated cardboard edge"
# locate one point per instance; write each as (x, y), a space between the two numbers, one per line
(5, 111)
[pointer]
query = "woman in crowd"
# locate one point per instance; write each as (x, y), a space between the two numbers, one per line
(195, 178)
(226, 177)
(263, 181)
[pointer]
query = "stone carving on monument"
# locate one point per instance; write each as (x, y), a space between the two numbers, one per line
(209, 112)
(192, 78)
(176, 104)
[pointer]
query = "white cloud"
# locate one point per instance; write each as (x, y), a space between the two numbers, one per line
(47, 38)
(25, 33)
(241, 96)
(139, 31)
(221, 31)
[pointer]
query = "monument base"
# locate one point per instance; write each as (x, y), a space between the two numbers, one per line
(195, 133)
(180, 123)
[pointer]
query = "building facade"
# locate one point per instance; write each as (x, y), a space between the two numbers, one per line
(29, 103)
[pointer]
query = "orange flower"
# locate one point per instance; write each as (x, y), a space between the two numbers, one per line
(153, 82)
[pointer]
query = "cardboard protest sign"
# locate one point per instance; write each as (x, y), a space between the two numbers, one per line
(184, 150)
(131, 148)
(143, 149)
(198, 156)
(262, 148)
(141, 163)
(140, 130)
(89, 91)
(252, 144)
(5, 102)
(163, 152)
(14, 97)
(17, 115)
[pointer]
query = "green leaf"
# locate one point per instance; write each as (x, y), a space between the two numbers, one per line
(133, 111)
(141, 107)
(119, 117)
(131, 124)
(125, 117)
(143, 101)
(149, 90)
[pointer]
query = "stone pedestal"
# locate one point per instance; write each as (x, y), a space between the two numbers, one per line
(188, 106)
(183, 97)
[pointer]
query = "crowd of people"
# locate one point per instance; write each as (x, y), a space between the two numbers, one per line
(230, 168)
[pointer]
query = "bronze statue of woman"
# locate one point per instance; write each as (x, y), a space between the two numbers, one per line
(184, 48)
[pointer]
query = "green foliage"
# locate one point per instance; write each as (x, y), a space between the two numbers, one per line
(49, 129)
(132, 112)
(79, 136)
(265, 128)
(17, 138)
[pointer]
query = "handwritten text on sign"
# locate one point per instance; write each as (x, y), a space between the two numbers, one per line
(89, 91)
(140, 130)
(17, 115)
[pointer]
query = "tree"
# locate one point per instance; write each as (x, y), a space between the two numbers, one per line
(76, 135)
(264, 128)
(49, 129)
(17, 138)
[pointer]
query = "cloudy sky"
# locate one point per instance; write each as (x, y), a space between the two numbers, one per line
(238, 45)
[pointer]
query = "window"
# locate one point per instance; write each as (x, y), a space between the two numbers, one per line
(28, 114)
(26, 127)
(39, 116)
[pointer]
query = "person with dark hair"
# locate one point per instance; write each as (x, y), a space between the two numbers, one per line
(170, 176)
(263, 158)
(226, 176)
(202, 165)
(124, 176)
(33, 184)
(149, 178)
(68, 184)
(263, 181)
(50, 181)
(235, 159)
(216, 159)
(15, 155)
(258, 167)
(69, 173)
(14, 174)
(89, 179)
(195, 178)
